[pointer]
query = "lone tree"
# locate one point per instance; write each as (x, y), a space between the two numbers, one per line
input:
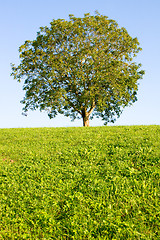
(82, 67)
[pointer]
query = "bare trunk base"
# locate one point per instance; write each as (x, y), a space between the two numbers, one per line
(86, 122)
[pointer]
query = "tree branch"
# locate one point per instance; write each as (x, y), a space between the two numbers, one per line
(92, 108)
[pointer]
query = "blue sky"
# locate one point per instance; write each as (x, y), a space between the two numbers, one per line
(20, 20)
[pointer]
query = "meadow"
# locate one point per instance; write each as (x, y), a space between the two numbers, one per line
(80, 183)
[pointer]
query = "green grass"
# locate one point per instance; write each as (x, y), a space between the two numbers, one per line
(80, 183)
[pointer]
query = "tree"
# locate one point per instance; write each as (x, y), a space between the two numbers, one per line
(82, 67)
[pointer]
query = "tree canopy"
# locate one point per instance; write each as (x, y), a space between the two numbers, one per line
(81, 67)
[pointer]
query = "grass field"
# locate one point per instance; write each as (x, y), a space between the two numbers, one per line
(80, 183)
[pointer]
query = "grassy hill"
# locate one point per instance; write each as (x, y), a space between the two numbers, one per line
(80, 183)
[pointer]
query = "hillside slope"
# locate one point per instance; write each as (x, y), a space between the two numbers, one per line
(80, 183)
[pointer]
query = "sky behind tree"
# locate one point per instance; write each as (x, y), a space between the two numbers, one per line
(21, 20)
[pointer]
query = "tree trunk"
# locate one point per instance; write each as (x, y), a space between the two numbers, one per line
(86, 122)
(85, 117)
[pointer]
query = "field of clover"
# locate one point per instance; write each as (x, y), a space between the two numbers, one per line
(80, 183)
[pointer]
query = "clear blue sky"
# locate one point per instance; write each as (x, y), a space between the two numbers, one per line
(20, 20)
